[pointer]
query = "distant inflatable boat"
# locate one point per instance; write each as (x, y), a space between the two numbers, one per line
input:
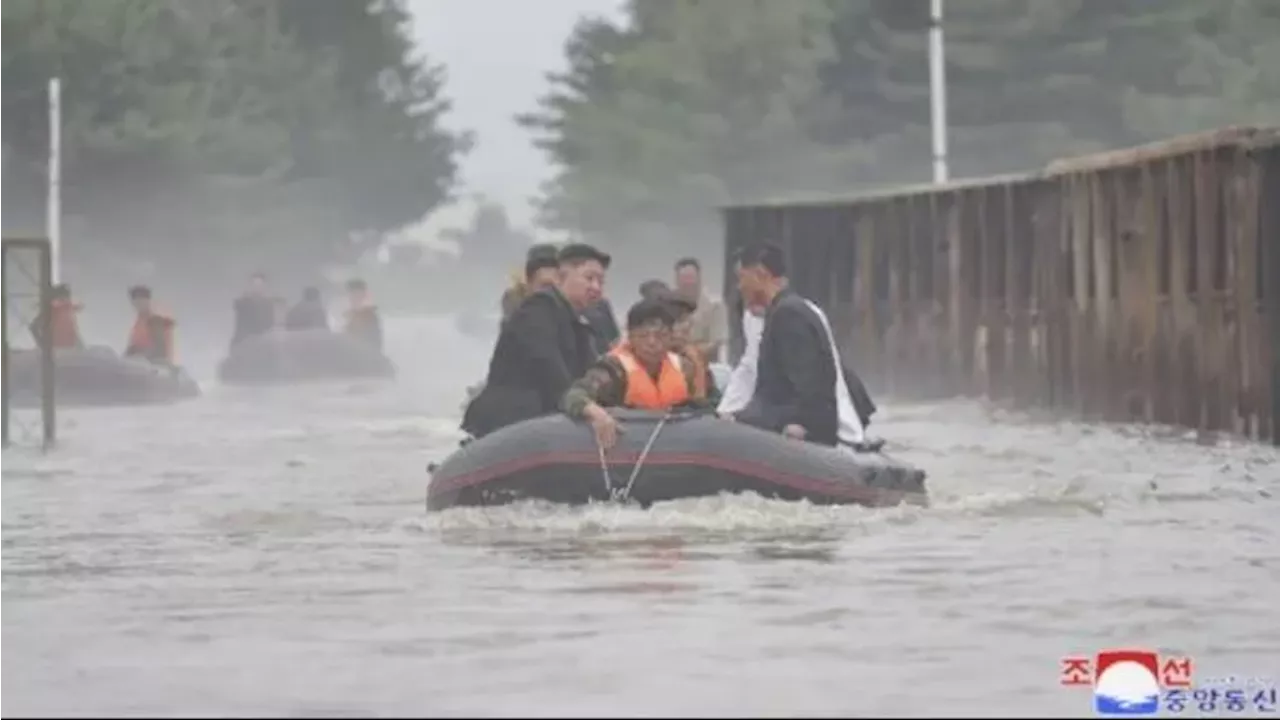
(288, 356)
(97, 376)
(556, 459)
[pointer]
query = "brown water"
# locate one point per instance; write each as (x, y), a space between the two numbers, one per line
(247, 554)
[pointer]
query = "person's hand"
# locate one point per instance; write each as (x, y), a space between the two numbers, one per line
(604, 426)
(794, 431)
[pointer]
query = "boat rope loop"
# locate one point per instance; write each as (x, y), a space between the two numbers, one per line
(622, 494)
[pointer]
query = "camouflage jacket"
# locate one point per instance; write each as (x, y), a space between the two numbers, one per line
(605, 384)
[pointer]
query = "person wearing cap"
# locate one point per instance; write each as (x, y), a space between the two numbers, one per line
(682, 314)
(541, 267)
(543, 346)
(642, 373)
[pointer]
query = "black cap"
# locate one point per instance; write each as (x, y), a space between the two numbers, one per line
(139, 292)
(679, 304)
(582, 251)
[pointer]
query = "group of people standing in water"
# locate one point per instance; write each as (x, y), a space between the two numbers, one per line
(559, 350)
(257, 312)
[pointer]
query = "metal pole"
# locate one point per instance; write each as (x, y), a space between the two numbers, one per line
(5, 386)
(938, 92)
(54, 205)
(48, 403)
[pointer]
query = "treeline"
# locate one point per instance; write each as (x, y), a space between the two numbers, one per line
(231, 122)
(685, 105)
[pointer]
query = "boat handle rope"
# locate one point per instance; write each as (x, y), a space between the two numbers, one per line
(635, 471)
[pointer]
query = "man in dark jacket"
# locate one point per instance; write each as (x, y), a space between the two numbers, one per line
(255, 310)
(603, 324)
(543, 347)
(796, 375)
(309, 313)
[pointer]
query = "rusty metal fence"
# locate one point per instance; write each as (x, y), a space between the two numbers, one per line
(1140, 285)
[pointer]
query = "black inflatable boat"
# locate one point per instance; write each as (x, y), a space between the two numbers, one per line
(97, 376)
(662, 458)
(288, 356)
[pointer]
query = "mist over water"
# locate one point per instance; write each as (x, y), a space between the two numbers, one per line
(269, 552)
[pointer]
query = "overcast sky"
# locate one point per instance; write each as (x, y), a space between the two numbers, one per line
(496, 53)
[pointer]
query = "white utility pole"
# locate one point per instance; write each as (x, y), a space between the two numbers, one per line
(54, 204)
(938, 92)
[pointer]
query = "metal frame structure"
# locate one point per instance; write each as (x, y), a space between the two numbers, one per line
(13, 253)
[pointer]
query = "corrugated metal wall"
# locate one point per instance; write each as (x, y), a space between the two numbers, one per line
(1136, 285)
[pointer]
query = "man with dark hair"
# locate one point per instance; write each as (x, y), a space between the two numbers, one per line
(309, 313)
(543, 347)
(800, 386)
(710, 329)
(255, 310)
(541, 268)
(151, 338)
(642, 372)
(653, 289)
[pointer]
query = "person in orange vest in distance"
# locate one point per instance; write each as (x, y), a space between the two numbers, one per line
(363, 321)
(641, 372)
(66, 326)
(152, 335)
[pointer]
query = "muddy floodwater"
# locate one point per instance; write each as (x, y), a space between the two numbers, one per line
(269, 552)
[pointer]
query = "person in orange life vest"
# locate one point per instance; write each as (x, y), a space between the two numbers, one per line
(66, 327)
(363, 321)
(640, 373)
(682, 314)
(152, 335)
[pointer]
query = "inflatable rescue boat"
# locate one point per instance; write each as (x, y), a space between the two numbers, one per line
(97, 376)
(289, 356)
(662, 457)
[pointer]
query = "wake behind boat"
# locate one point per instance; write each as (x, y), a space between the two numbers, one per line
(662, 457)
(97, 376)
(289, 356)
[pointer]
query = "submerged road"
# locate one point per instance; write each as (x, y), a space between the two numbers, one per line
(269, 553)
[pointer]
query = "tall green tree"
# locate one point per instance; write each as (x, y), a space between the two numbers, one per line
(686, 105)
(319, 109)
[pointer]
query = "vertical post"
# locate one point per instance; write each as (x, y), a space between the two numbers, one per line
(54, 204)
(938, 92)
(47, 401)
(4, 359)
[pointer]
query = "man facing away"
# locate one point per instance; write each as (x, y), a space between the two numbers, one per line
(541, 269)
(309, 313)
(255, 310)
(63, 311)
(543, 347)
(151, 338)
(799, 383)
(641, 372)
(710, 328)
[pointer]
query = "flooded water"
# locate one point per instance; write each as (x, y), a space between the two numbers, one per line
(269, 553)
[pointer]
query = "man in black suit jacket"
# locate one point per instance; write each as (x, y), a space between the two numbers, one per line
(796, 391)
(543, 346)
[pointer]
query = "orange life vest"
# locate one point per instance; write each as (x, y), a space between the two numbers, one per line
(643, 393)
(66, 330)
(143, 342)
